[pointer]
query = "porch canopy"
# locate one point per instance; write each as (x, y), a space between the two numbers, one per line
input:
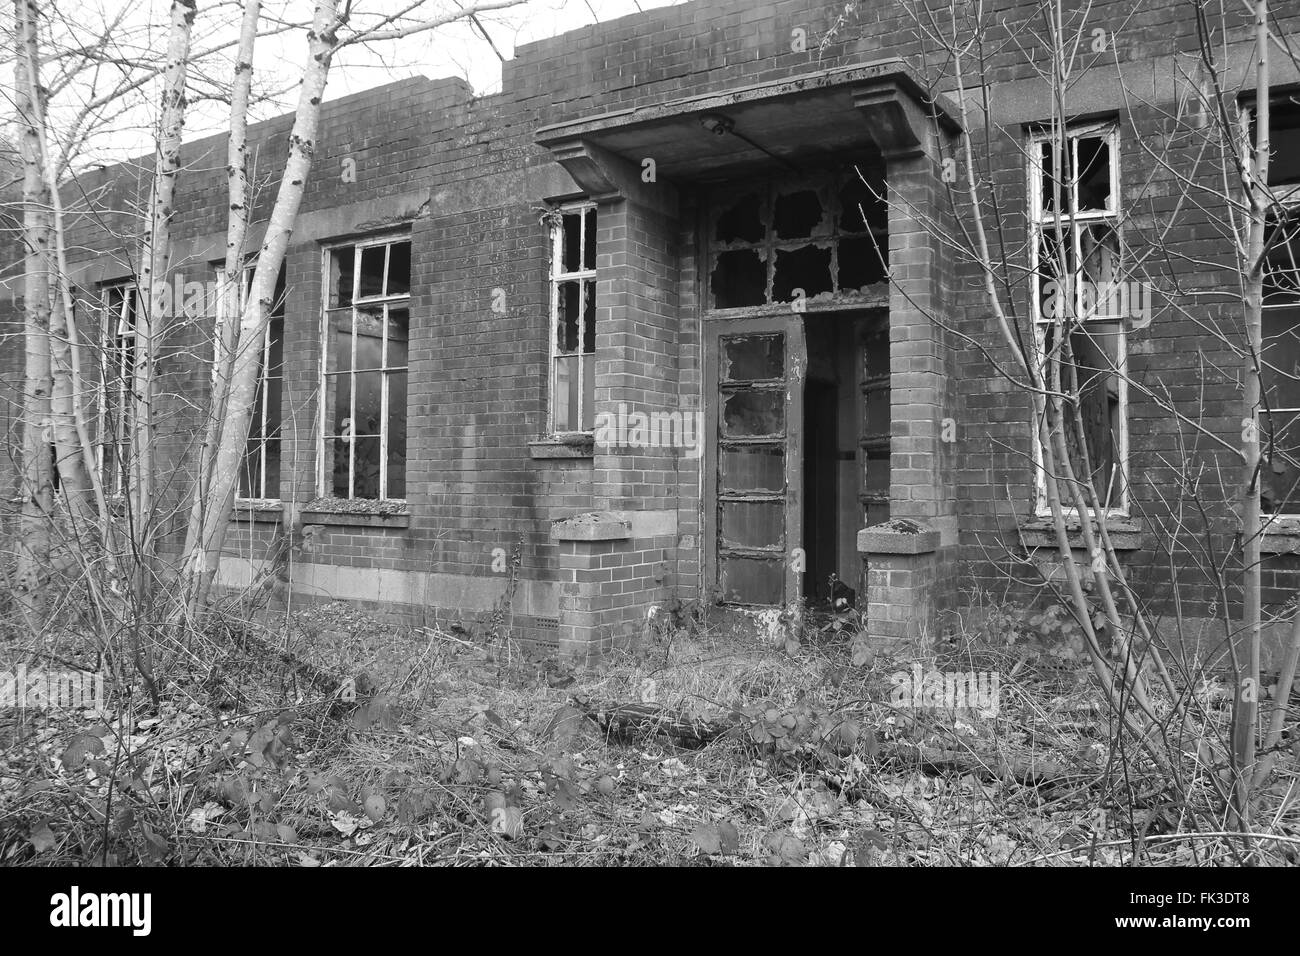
(798, 121)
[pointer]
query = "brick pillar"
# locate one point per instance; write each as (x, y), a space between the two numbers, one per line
(609, 579)
(905, 556)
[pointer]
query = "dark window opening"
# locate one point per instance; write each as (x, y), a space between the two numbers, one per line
(807, 268)
(797, 215)
(742, 222)
(739, 279)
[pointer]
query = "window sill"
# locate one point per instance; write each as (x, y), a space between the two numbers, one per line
(563, 446)
(257, 511)
(1281, 536)
(358, 513)
(1124, 533)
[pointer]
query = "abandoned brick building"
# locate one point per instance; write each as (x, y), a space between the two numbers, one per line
(640, 327)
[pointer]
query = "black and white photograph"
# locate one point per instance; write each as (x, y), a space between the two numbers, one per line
(637, 434)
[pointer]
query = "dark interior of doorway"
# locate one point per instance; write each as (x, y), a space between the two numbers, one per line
(839, 397)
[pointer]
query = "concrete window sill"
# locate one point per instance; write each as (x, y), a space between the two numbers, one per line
(1282, 537)
(385, 515)
(576, 446)
(1125, 534)
(257, 511)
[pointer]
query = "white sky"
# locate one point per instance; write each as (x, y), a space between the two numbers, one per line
(455, 50)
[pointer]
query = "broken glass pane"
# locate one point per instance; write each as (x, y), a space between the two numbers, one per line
(751, 524)
(588, 316)
(861, 264)
(372, 271)
(741, 221)
(807, 268)
(861, 208)
(752, 357)
(1050, 187)
(399, 268)
(752, 413)
(1094, 174)
(751, 580)
(798, 215)
(567, 320)
(571, 258)
(759, 468)
(1280, 475)
(1099, 292)
(589, 240)
(739, 279)
(341, 263)
(365, 466)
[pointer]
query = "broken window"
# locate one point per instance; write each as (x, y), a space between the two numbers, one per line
(573, 319)
(1280, 370)
(367, 328)
(259, 475)
(119, 308)
(820, 235)
(1083, 300)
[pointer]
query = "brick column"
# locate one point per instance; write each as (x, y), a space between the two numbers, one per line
(905, 556)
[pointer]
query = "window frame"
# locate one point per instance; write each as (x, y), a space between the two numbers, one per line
(556, 277)
(324, 483)
(1039, 221)
(1287, 207)
(116, 355)
(246, 281)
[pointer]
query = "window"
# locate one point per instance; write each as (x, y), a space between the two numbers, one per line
(573, 319)
(119, 307)
(366, 329)
(259, 476)
(1280, 370)
(825, 234)
(1082, 299)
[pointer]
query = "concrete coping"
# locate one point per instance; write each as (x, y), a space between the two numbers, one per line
(898, 536)
(592, 526)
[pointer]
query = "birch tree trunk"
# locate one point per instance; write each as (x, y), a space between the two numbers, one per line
(36, 479)
(1260, 199)
(196, 554)
(322, 42)
(154, 279)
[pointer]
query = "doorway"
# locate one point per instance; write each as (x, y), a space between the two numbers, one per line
(798, 454)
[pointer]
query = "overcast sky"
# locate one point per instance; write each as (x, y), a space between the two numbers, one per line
(455, 50)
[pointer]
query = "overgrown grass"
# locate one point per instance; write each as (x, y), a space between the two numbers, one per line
(453, 753)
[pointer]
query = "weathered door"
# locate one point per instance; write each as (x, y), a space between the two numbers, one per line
(754, 372)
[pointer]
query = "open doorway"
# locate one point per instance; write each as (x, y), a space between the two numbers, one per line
(846, 441)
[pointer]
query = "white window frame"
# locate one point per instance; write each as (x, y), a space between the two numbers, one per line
(557, 278)
(117, 363)
(246, 282)
(1041, 220)
(324, 482)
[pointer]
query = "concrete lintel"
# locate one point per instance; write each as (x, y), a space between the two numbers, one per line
(592, 526)
(898, 536)
(898, 122)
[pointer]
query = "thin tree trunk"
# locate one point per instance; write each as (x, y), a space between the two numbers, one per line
(197, 554)
(1246, 706)
(36, 485)
(155, 264)
(322, 42)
